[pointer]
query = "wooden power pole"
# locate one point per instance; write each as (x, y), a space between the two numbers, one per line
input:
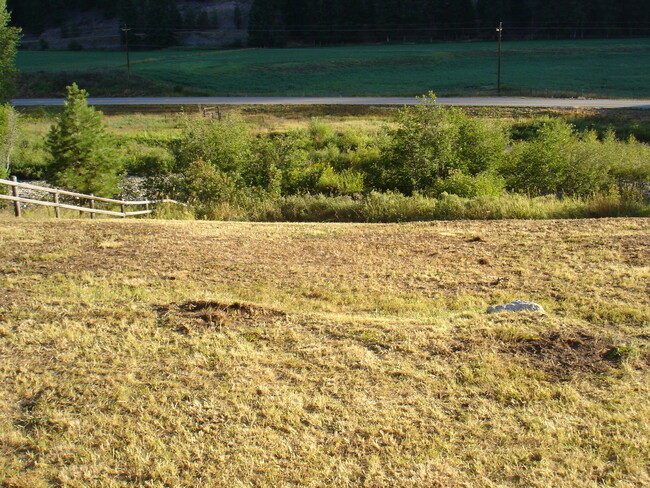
(500, 31)
(126, 31)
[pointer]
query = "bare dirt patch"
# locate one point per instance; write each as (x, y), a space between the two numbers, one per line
(565, 354)
(197, 315)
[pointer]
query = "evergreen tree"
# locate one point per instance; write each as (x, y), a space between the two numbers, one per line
(9, 37)
(162, 20)
(202, 19)
(80, 149)
(267, 25)
(189, 18)
(214, 19)
(237, 17)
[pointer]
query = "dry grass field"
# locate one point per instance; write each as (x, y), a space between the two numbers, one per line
(206, 354)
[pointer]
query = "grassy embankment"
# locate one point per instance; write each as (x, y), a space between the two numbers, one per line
(610, 68)
(149, 353)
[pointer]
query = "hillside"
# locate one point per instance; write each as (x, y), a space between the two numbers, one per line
(94, 25)
(266, 23)
(151, 353)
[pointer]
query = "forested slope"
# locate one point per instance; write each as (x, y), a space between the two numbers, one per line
(275, 22)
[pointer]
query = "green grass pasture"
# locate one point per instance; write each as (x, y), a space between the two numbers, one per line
(611, 68)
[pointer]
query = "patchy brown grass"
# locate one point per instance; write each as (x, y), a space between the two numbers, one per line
(150, 353)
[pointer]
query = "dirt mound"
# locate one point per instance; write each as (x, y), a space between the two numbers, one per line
(211, 314)
(565, 354)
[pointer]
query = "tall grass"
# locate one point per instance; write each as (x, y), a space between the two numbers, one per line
(395, 207)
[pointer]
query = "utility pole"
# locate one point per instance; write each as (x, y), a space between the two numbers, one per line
(500, 31)
(126, 31)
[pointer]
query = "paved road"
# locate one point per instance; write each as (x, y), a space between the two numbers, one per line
(476, 101)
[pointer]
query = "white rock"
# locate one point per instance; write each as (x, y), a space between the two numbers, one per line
(517, 306)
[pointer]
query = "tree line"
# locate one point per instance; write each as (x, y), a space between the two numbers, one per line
(153, 23)
(278, 22)
(281, 22)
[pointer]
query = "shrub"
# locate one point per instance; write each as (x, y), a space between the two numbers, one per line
(431, 142)
(556, 160)
(320, 133)
(539, 166)
(9, 136)
(468, 186)
(144, 160)
(631, 161)
(346, 182)
(275, 161)
(207, 188)
(225, 144)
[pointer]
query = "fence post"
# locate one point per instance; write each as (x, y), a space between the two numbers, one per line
(15, 193)
(57, 209)
(92, 206)
(123, 209)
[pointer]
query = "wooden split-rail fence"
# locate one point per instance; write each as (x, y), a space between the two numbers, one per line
(58, 205)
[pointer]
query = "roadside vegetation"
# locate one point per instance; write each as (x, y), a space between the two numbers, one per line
(425, 162)
(190, 354)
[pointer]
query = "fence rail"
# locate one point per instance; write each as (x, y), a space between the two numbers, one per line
(17, 199)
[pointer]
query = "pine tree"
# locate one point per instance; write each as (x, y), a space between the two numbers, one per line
(9, 37)
(203, 19)
(80, 149)
(237, 17)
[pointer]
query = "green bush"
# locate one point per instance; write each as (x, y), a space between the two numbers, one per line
(320, 133)
(207, 188)
(275, 162)
(631, 161)
(557, 160)
(225, 144)
(346, 182)
(30, 161)
(145, 160)
(9, 138)
(539, 166)
(432, 142)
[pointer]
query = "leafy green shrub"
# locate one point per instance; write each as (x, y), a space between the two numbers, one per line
(330, 154)
(9, 136)
(556, 160)
(145, 160)
(275, 162)
(225, 144)
(303, 179)
(539, 165)
(346, 182)
(431, 142)
(30, 161)
(468, 186)
(207, 189)
(588, 165)
(9, 39)
(631, 161)
(320, 133)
